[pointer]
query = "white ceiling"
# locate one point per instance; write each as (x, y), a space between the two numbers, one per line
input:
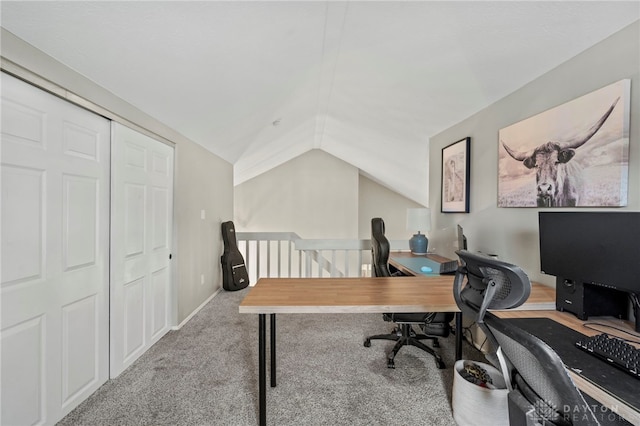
(368, 82)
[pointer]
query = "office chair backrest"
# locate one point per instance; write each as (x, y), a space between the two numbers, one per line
(491, 284)
(541, 386)
(379, 249)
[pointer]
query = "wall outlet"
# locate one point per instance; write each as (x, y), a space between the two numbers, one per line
(201, 279)
(202, 214)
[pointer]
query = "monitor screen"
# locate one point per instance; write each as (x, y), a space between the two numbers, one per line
(599, 248)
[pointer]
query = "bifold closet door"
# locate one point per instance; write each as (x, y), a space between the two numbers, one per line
(141, 235)
(55, 253)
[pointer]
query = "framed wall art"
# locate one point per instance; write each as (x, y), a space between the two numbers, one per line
(573, 155)
(455, 177)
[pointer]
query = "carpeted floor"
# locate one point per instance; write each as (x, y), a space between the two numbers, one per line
(206, 374)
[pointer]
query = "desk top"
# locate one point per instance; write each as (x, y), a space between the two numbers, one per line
(411, 264)
(350, 295)
(569, 320)
(367, 294)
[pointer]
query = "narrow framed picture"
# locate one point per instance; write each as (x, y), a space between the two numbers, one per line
(455, 177)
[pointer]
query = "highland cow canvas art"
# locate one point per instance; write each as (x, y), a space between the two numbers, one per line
(574, 155)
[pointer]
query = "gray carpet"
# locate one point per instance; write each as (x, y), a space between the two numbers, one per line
(207, 374)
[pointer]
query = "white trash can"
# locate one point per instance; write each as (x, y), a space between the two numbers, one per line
(475, 405)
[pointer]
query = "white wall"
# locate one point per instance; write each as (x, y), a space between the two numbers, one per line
(512, 233)
(202, 179)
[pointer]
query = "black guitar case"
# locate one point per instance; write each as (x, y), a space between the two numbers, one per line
(234, 271)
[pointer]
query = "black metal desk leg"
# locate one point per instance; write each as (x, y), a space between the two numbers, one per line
(262, 373)
(459, 336)
(273, 350)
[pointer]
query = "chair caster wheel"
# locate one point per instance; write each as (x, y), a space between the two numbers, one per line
(391, 364)
(440, 364)
(436, 344)
(367, 343)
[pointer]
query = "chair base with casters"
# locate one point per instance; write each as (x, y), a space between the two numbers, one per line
(404, 335)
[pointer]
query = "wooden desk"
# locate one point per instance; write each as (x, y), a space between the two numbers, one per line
(349, 295)
(352, 295)
(602, 396)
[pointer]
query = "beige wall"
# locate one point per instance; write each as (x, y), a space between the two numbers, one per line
(314, 195)
(204, 184)
(319, 196)
(202, 180)
(512, 233)
(376, 200)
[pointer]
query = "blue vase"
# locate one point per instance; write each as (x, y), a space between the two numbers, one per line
(418, 244)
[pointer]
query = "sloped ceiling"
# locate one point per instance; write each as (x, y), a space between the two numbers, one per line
(258, 83)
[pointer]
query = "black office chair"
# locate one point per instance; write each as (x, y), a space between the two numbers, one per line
(433, 325)
(541, 390)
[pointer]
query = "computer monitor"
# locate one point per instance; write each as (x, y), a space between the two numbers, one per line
(462, 240)
(598, 248)
(593, 248)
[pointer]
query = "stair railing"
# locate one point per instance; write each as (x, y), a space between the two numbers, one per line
(285, 254)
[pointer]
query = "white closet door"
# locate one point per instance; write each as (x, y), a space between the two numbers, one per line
(55, 248)
(141, 231)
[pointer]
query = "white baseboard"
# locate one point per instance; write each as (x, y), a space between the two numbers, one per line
(195, 311)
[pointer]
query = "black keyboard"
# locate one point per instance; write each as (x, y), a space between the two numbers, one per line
(615, 351)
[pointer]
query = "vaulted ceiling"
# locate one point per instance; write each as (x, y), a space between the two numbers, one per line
(258, 83)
